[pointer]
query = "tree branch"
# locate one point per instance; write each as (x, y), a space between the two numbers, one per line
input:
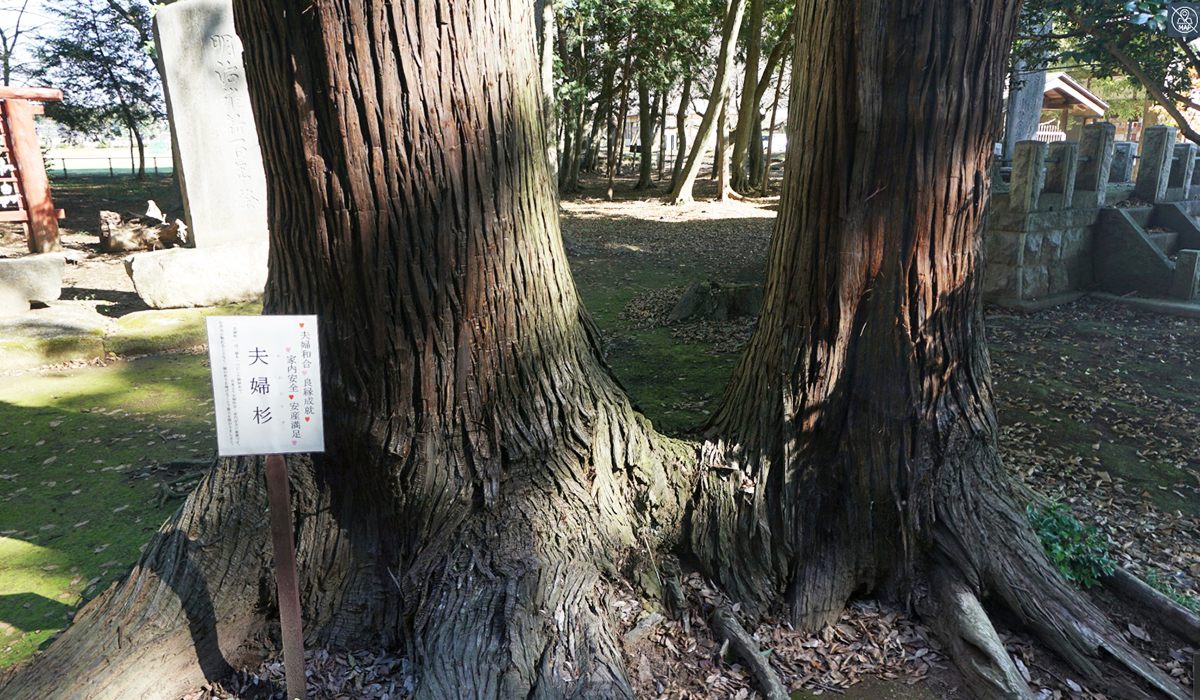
(1152, 87)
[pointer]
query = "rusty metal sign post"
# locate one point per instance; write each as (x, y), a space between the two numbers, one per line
(266, 374)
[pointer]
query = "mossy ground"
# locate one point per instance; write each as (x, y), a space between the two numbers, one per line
(77, 501)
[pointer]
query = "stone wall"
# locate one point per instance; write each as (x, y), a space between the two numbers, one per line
(1041, 234)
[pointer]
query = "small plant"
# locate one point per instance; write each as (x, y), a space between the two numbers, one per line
(1077, 551)
(1170, 590)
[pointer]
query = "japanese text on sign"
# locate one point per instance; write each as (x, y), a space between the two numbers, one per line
(266, 374)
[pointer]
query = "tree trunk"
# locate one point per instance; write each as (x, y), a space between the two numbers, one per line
(766, 181)
(681, 193)
(869, 354)
(681, 120)
(547, 29)
(754, 152)
(617, 147)
(748, 107)
(141, 153)
(483, 467)
(646, 120)
(720, 171)
(662, 132)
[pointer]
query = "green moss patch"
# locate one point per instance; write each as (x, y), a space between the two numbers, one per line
(81, 455)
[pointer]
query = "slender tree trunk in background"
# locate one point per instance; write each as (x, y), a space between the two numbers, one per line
(547, 28)
(748, 107)
(618, 142)
(681, 193)
(766, 182)
(646, 121)
(754, 151)
(662, 132)
(720, 169)
(580, 150)
(681, 122)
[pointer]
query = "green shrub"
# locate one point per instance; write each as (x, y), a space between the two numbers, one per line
(1184, 598)
(1077, 551)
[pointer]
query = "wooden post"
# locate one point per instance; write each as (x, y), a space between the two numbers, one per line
(35, 186)
(286, 583)
(38, 212)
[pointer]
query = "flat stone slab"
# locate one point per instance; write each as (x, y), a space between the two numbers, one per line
(32, 277)
(150, 332)
(189, 277)
(68, 331)
(62, 332)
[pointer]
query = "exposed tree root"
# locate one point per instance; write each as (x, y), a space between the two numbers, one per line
(954, 613)
(1171, 615)
(983, 533)
(183, 611)
(727, 627)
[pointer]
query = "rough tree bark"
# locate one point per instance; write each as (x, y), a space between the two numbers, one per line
(854, 448)
(484, 469)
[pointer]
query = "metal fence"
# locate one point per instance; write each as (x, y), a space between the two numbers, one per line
(68, 166)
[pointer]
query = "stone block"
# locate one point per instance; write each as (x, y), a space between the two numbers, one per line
(1122, 162)
(1028, 176)
(1033, 249)
(1035, 282)
(1004, 247)
(216, 147)
(1096, 146)
(1158, 145)
(1061, 164)
(1186, 282)
(182, 278)
(1183, 162)
(33, 277)
(1059, 280)
(1002, 282)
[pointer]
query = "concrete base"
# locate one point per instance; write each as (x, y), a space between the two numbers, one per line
(1026, 306)
(1186, 309)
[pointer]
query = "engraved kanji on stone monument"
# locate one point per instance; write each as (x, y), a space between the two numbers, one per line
(212, 126)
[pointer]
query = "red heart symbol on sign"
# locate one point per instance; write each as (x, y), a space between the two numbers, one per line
(290, 395)
(301, 325)
(306, 419)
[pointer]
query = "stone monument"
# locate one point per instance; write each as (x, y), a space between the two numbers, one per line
(212, 127)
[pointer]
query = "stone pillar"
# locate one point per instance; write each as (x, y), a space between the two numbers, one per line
(1096, 145)
(1158, 145)
(1122, 163)
(1186, 282)
(1028, 175)
(1025, 94)
(1183, 164)
(1061, 163)
(212, 127)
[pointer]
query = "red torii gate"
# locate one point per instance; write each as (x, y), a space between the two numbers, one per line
(22, 167)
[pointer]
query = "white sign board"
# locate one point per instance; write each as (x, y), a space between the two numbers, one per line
(266, 373)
